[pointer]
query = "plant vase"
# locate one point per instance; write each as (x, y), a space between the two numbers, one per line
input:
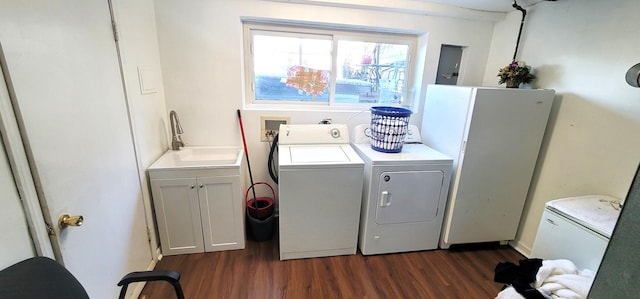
(511, 83)
(515, 73)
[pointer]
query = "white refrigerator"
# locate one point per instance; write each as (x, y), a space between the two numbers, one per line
(493, 136)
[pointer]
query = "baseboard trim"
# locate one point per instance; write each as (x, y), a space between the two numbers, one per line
(519, 247)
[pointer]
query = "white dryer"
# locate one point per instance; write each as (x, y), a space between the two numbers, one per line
(320, 190)
(404, 195)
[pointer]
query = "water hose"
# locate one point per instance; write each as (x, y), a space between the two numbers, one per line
(271, 167)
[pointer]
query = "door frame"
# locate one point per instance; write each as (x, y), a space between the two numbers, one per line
(16, 152)
(152, 234)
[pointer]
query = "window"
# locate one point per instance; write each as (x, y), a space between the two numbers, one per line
(286, 65)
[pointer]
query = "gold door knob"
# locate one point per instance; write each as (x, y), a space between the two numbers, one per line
(66, 220)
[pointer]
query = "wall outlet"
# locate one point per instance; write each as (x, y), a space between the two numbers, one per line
(269, 126)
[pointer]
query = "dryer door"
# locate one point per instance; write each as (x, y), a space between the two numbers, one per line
(408, 196)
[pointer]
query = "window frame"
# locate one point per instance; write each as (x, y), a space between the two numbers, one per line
(335, 34)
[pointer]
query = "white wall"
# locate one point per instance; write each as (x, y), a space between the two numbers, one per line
(140, 58)
(582, 49)
(201, 55)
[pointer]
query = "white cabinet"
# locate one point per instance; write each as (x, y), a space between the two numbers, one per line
(198, 209)
(222, 212)
(177, 209)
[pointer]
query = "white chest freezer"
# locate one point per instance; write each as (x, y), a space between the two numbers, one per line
(577, 229)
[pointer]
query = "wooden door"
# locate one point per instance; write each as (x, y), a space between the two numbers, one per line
(62, 62)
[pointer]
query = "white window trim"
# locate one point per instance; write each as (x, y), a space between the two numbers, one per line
(340, 33)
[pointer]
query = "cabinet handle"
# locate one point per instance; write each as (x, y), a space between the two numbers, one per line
(193, 186)
(201, 185)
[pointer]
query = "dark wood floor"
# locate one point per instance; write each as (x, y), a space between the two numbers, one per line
(257, 272)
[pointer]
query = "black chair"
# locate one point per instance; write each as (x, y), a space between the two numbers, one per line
(42, 277)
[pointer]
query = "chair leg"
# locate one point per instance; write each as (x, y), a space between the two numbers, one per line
(123, 291)
(178, 289)
(171, 277)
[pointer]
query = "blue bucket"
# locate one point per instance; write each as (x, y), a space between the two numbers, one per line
(389, 127)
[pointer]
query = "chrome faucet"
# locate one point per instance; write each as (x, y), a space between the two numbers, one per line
(176, 130)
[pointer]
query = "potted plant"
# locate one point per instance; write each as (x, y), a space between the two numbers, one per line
(515, 73)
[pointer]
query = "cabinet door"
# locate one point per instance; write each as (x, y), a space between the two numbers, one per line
(222, 212)
(178, 215)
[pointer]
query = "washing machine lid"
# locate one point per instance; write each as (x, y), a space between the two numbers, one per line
(411, 153)
(318, 155)
(596, 212)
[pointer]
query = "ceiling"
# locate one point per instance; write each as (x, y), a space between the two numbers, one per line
(487, 5)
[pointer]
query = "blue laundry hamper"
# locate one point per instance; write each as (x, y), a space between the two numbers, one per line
(389, 127)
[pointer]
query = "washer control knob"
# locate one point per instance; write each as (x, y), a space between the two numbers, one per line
(335, 133)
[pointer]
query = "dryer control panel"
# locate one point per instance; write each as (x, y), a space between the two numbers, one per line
(314, 134)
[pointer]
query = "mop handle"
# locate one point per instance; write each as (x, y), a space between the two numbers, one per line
(246, 153)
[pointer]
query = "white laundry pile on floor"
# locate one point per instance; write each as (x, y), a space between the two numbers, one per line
(562, 279)
(557, 279)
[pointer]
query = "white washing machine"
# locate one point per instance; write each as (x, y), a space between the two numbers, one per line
(320, 190)
(404, 195)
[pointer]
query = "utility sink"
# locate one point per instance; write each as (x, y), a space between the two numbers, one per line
(197, 199)
(200, 157)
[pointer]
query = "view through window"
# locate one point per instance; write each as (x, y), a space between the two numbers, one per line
(320, 67)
